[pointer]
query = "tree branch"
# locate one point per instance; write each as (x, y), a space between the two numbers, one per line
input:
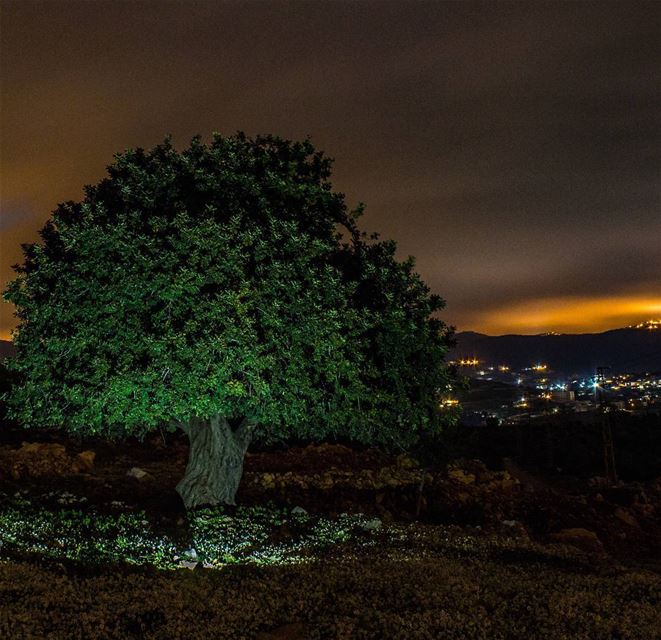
(243, 432)
(178, 424)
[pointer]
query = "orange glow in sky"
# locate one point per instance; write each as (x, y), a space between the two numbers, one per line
(569, 314)
(562, 315)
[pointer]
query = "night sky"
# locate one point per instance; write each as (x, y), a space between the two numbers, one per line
(512, 148)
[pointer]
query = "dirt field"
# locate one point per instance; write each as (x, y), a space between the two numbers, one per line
(458, 552)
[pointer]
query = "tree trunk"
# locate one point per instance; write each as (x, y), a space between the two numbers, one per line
(215, 461)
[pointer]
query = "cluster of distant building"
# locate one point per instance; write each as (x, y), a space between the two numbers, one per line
(501, 394)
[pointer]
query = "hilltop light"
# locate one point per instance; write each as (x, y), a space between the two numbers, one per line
(651, 325)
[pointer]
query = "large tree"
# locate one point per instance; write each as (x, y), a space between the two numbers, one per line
(226, 291)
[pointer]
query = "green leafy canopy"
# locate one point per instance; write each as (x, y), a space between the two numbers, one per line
(228, 279)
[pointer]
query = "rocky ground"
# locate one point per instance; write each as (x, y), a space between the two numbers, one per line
(95, 544)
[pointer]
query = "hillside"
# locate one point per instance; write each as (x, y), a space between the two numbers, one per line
(635, 350)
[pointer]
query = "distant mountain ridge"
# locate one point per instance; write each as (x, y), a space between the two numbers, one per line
(630, 349)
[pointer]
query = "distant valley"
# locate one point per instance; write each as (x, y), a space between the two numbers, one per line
(629, 349)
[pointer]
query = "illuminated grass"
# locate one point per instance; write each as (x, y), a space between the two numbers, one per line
(213, 538)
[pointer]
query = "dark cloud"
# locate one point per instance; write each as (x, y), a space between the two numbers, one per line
(13, 214)
(512, 147)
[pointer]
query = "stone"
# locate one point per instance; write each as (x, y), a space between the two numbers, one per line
(406, 462)
(86, 460)
(625, 516)
(325, 481)
(372, 525)
(474, 467)
(137, 473)
(268, 480)
(580, 538)
(461, 476)
(299, 511)
(36, 460)
(514, 528)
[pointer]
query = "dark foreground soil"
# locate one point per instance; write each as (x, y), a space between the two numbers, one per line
(432, 586)
(464, 551)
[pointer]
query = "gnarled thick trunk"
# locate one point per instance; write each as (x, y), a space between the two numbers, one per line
(215, 461)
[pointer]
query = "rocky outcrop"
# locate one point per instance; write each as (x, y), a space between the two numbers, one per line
(43, 460)
(580, 538)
